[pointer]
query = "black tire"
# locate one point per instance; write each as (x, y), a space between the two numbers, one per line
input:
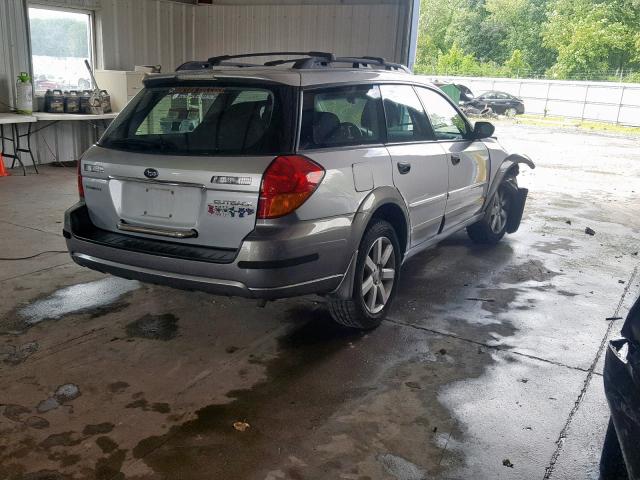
(484, 231)
(354, 313)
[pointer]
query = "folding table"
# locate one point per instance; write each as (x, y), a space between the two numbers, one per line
(13, 120)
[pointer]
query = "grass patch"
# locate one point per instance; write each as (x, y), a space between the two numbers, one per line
(562, 122)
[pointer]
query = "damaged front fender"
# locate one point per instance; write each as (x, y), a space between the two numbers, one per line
(510, 168)
(515, 158)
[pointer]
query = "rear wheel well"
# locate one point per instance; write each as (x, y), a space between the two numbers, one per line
(394, 215)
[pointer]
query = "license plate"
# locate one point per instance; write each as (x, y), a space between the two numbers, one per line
(164, 205)
(159, 202)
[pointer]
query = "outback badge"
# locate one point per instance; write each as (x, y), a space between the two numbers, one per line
(151, 173)
(231, 208)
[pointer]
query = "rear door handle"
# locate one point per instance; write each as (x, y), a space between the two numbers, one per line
(404, 167)
(455, 160)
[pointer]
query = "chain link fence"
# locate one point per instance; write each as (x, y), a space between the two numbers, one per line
(600, 101)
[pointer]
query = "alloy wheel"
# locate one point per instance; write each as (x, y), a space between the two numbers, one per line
(378, 275)
(498, 217)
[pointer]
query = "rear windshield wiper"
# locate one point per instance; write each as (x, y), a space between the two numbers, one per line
(136, 143)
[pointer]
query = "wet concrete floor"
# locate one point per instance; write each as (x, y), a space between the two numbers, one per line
(489, 366)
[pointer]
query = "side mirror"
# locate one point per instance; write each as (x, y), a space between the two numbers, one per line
(483, 130)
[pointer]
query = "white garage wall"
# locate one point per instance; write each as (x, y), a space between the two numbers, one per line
(14, 50)
(356, 29)
(150, 32)
(169, 33)
(144, 32)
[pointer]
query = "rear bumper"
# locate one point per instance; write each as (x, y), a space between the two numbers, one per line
(275, 261)
(622, 388)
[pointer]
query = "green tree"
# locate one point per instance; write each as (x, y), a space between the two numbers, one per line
(565, 38)
(435, 18)
(59, 38)
(478, 34)
(456, 62)
(516, 66)
(593, 37)
(522, 22)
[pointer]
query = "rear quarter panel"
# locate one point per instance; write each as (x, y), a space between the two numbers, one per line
(370, 167)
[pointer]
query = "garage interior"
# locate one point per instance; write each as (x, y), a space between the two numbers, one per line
(489, 365)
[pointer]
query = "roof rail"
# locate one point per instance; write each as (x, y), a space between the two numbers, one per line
(369, 61)
(221, 58)
(204, 65)
(310, 60)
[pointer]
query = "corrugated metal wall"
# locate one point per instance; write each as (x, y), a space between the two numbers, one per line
(150, 32)
(169, 33)
(145, 32)
(14, 50)
(343, 29)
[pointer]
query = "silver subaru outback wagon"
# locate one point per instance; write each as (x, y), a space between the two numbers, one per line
(318, 175)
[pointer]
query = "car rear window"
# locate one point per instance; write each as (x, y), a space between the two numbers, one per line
(206, 120)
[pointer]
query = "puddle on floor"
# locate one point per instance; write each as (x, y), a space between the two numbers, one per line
(400, 468)
(154, 327)
(77, 298)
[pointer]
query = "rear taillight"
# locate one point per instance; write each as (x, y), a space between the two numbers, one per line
(287, 183)
(80, 187)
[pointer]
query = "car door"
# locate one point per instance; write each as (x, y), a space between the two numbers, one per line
(486, 99)
(467, 159)
(420, 170)
(502, 101)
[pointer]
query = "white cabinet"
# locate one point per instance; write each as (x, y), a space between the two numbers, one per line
(122, 85)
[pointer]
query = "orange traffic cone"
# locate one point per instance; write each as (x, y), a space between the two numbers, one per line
(3, 171)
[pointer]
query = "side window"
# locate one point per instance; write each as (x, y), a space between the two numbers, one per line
(446, 122)
(406, 120)
(333, 117)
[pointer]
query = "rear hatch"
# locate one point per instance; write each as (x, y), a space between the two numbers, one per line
(184, 161)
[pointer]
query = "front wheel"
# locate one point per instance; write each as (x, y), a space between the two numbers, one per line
(493, 225)
(376, 278)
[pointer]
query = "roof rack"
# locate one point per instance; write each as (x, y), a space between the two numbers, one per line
(310, 60)
(204, 65)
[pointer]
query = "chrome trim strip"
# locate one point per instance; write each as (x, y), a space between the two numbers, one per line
(316, 280)
(426, 201)
(462, 207)
(438, 238)
(161, 182)
(160, 273)
(194, 278)
(468, 187)
(126, 227)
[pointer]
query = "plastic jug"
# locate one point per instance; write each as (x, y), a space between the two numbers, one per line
(54, 101)
(24, 94)
(84, 101)
(105, 100)
(71, 102)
